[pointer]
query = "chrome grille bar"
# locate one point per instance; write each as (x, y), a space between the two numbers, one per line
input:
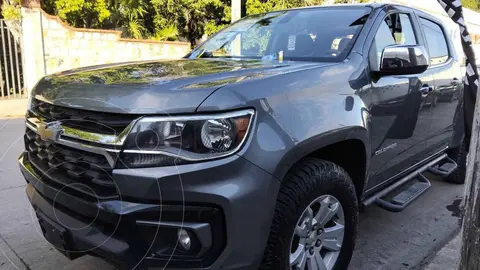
(110, 145)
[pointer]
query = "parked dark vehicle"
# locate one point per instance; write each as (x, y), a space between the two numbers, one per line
(255, 151)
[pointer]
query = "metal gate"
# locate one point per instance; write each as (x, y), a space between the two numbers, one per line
(11, 75)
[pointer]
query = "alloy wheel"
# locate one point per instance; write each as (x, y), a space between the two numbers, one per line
(318, 235)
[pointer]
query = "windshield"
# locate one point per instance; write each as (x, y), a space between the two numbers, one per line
(312, 34)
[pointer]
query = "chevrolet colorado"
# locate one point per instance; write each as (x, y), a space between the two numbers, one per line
(256, 150)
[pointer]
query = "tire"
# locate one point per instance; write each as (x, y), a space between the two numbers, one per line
(459, 155)
(307, 181)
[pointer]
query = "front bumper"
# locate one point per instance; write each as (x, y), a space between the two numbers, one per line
(227, 204)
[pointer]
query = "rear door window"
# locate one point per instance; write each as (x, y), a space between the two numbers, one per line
(436, 42)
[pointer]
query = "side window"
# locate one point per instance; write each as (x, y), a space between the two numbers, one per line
(405, 34)
(436, 41)
(396, 29)
(383, 38)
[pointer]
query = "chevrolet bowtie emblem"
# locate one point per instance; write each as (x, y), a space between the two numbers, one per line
(49, 131)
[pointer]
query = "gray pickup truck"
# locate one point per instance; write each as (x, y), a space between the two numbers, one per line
(257, 150)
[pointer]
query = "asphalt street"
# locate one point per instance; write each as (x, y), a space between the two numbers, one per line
(386, 240)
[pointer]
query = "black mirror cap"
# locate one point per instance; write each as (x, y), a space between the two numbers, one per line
(404, 60)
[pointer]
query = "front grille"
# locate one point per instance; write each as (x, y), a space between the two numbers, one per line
(90, 121)
(86, 174)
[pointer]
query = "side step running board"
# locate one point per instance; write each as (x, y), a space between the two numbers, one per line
(409, 188)
(444, 168)
(405, 197)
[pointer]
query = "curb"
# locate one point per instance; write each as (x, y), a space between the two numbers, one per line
(10, 116)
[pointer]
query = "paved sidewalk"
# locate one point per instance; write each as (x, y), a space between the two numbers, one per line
(13, 107)
(448, 257)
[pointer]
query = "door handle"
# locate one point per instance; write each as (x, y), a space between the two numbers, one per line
(454, 82)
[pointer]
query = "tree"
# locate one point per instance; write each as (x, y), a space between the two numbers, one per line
(128, 15)
(262, 6)
(11, 10)
(471, 4)
(192, 17)
(169, 33)
(79, 13)
(349, 1)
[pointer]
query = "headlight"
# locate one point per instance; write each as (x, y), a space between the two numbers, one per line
(174, 140)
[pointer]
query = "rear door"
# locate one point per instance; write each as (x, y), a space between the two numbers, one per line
(448, 82)
(398, 121)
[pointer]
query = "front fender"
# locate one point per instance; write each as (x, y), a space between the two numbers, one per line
(296, 113)
(320, 141)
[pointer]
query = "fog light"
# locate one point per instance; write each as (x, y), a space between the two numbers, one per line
(184, 239)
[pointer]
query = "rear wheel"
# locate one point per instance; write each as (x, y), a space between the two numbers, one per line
(459, 155)
(315, 220)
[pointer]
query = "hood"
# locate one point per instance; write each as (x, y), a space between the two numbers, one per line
(160, 87)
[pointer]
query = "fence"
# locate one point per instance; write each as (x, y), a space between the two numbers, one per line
(11, 65)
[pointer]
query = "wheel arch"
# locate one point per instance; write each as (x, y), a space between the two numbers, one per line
(333, 146)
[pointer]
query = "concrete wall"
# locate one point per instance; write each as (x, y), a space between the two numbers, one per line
(33, 59)
(51, 46)
(67, 47)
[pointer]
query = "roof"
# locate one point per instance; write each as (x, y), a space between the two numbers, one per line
(374, 5)
(371, 5)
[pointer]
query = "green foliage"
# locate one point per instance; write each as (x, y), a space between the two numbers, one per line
(349, 1)
(169, 33)
(471, 4)
(193, 18)
(133, 28)
(128, 15)
(257, 6)
(82, 13)
(262, 6)
(11, 10)
(256, 40)
(211, 27)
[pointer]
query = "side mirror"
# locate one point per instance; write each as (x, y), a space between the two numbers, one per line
(404, 60)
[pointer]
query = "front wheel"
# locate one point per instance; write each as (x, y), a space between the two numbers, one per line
(315, 220)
